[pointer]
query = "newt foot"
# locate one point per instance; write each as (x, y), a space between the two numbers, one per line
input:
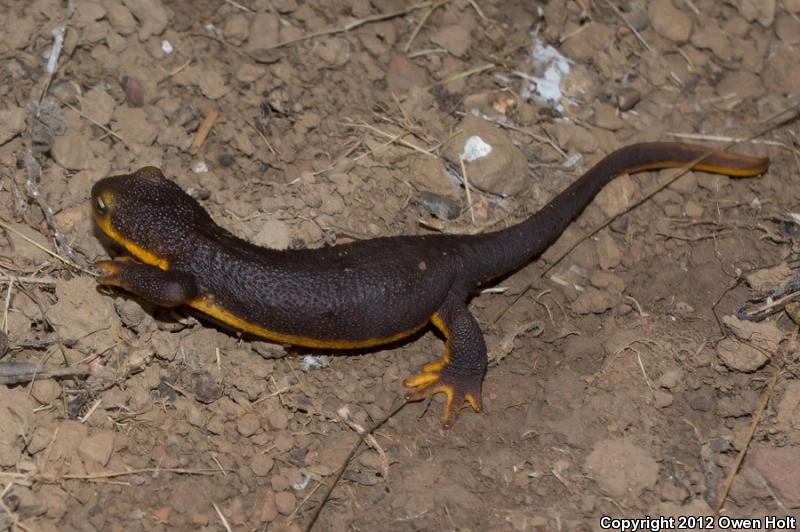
(458, 389)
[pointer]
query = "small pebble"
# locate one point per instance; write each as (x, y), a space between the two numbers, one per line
(278, 420)
(134, 92)
(261, 465)
(442, 207)
(206, 389)
(627, 98)
(285, 501)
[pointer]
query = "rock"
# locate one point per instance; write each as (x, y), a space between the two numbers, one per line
(133, 126)
(247, 425)
(269, 510)
(285, 501)
(662, 399)
(99, 106)
(686, 184)
(741, 82)
(762, 11)
(669, 22)
(593, 301)
(693, 209)
(134, 91)
(712, 38)
(621, 469)
(210, 81)
(16, 410)
(428, 173)
(606, 117)
(778, 466)
(627, 98)
(769, 278)
(26, 252)
(456, 39)
(205, 387)
(788, 29)
(287, 6)
(12, 123)
(273, 234)
(278, 420)
(670, 379)
(120, 18)
(703, 400)
(593, 38)
(261, 464)
(492, 162)
(402, 74)
(608, 251)
(442, 207)
(740, 357)
(87, 12)
(264, 32)
(97, 447)
(236, 29)
(781, 74)
(71, 150)
(151, 15)
(174, 135)
(212, 84)
(789, 407)
(45, 391)
(763, 335)
(737, 404)
(334, 51)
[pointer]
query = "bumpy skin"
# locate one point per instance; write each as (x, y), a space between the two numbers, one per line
(353, 295)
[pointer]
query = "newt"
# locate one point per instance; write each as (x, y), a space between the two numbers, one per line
(354, 295)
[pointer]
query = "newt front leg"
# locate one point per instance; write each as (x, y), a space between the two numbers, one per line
(167, 288)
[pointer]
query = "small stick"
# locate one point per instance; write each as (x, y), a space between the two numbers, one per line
(65, 260)
(93, 121)
(5, 310)
(353, 25)
(394, 138)
(96, 404)
(464, 74)
(630, 26)
(478, 10)
(419, 26)
(753, 426)
(693, 7)
(239, 6)
(111, 474)
(31, 280)
(361, 437)
(203, 131)
(222, 517)
(264, 138)
(722, 138)
(17, 372)
(466, 187)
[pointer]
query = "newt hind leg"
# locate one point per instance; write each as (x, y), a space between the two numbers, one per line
(459, 374)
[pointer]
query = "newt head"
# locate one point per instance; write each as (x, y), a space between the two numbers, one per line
(145, 213)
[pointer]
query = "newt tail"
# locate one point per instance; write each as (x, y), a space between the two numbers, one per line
(354, 295)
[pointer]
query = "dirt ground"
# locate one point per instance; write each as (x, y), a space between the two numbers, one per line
(613, 389)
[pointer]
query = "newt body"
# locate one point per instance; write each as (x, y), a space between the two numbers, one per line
(353, 295)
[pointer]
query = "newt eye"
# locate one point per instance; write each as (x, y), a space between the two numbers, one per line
(100, 205)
